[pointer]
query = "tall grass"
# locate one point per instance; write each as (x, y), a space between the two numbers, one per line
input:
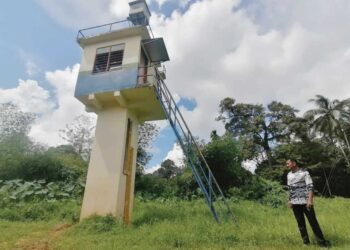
(178, 224)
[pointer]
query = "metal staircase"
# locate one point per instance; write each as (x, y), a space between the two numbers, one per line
(200, 169)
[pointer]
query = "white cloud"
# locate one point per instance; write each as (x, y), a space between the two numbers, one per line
(225, 48)
(78, 14)
(53, 111)
(180, 3)
(31, 68)
(29, 97)
(47, 126)
(30, 62)
(161, 124)
(175, 154)
(184, 3)
(254, 51)
(160, 2)
(150, 170)
(120, 8)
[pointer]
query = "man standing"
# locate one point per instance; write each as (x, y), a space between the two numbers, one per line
(301, 201)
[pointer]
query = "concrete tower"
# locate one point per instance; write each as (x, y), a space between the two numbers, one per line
(117, 80)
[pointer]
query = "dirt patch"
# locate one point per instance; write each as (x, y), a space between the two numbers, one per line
(30, 245)
(43, 244)
(58, 230)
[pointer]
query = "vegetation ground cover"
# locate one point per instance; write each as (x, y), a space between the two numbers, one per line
(178, 224)
(41, 187)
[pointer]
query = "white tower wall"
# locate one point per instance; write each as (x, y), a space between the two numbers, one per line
(106, 184)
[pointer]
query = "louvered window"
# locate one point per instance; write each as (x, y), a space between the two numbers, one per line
(108, 58)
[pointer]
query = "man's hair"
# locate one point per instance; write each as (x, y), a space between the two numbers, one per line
(295, 160)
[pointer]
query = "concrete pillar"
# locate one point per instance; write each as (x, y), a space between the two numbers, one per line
(110, 179)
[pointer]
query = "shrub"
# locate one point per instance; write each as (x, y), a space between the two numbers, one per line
(224, 157)
(20, 190)
(40, 210)
(261, 190)
(43, 166)
(150, 186)
(186, 186)
(99, 224)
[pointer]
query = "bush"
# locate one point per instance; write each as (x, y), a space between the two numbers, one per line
(150, 187)
(43, 166)
(22, 159)
(41, 210)
(261, 190)
(19, 190)
(224, 158)
(99, 224)
(186, 186)
(181, 186)
(71, 161)
(40, 166)
(12, 151)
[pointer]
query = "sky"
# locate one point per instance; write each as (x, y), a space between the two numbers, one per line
(254, 51)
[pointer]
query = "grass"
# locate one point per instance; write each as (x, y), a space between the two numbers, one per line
(176, 224)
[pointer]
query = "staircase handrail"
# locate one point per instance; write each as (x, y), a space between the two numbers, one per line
(190, 139)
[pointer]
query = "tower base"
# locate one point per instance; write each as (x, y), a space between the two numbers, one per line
(110, 180)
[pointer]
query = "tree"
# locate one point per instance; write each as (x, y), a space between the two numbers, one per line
(257, 127)
(15, 145)
(13, 121)
(327, 168)
(329, 118)
(224, 157)
(147, 133)
(167, 169)
(13, 149)
(71, 161)
(80, 135)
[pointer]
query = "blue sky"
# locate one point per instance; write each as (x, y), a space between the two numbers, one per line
(32, 37)
(29, 34)
(255, 51)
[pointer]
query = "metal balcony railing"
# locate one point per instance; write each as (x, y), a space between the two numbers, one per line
(111, 27)
(103, 29)
(149, 75)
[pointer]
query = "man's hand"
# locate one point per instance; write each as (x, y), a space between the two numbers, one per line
(309, 205)
(290, 205)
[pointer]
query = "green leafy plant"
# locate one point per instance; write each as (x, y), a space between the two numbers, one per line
(20, 190)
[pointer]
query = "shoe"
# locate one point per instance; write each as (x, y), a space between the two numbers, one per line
(306, 243)
(325, 243)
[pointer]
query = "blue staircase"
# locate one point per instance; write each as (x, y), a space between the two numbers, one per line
(206, 181)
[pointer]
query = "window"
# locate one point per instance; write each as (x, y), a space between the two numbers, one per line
(108, 58)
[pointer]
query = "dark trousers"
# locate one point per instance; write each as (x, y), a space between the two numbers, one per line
(299, 211)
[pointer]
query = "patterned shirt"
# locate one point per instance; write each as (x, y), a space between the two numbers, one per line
(299, 185)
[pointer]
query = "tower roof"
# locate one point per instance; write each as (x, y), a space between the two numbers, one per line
(156, 49)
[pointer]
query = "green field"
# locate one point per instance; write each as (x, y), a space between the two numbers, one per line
(175, 224)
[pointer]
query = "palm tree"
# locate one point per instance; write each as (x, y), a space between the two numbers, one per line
(328, 119)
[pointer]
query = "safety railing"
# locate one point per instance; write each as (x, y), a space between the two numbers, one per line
(102, 29)
(111, 27)
(148, 75)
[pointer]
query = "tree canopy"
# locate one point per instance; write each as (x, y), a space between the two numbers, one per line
(14, 121)
(259, 128)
